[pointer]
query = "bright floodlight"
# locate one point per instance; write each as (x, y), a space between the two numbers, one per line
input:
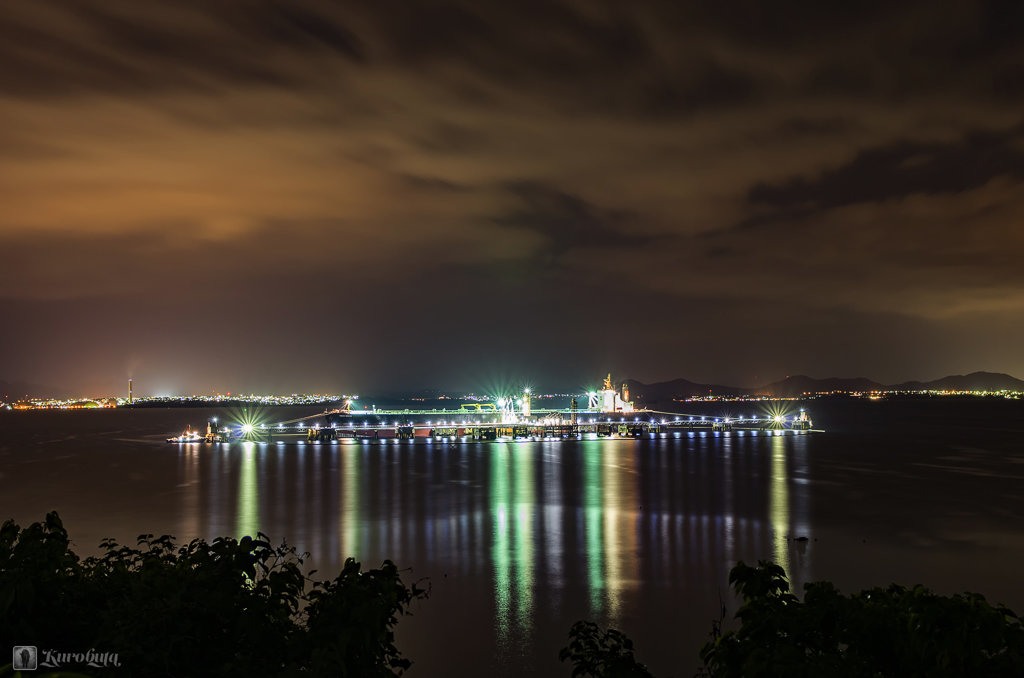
(526, 390)
(778, 418)
(247, 428)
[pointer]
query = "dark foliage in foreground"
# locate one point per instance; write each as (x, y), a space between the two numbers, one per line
(896, 631)
(227, 608)
(607, 655)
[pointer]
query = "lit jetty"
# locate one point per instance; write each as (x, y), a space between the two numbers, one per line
(510, 417)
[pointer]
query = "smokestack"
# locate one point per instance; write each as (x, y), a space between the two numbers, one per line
(129, 391)
(625, 392)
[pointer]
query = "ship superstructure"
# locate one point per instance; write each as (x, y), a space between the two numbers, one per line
(608, 400)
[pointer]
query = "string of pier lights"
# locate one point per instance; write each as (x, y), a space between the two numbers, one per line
(248, 428)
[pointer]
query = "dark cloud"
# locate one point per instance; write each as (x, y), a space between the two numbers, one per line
(783, 25)
(707, 85)
(444, 137)
(58, 48)
(289, 24)
(567, 222)
(557, 39)
(898, 170)
(433, 183)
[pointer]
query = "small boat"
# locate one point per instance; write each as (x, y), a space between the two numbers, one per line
(188, 436)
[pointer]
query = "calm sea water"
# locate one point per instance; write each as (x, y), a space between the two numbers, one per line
(520, 540)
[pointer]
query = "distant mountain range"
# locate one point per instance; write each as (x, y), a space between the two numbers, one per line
(798, 385)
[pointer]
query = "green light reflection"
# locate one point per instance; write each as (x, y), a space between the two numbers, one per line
(513, 497)
(349, 502)
(247, 522)
(524, 509)
(593, 503)
(502, 563)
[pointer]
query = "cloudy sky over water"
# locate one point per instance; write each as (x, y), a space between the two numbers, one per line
(300, 196)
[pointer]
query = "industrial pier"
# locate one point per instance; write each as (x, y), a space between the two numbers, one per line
(609, 414)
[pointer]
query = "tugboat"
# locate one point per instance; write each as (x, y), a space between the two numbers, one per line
(188, 436)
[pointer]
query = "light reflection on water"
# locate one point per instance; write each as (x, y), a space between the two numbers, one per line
(501, 550)
(349, 524)
(592, 509)
(523, 459)
(247, 515)
(545, 526)
(780, 504)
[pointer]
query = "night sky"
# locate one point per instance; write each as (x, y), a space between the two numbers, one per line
(325, 196)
